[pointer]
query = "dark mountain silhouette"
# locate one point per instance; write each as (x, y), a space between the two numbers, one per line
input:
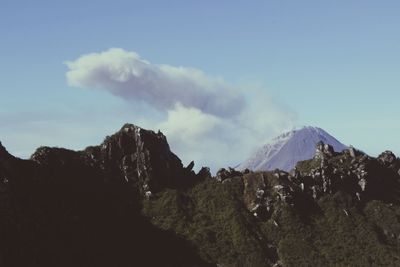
(68, 208)
(131, 202)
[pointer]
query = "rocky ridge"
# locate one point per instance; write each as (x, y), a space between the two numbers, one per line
(139, 156)
(352, 171)
(82, 208)
(130, 200)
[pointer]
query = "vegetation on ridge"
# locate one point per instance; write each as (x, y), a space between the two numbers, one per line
(340, 233)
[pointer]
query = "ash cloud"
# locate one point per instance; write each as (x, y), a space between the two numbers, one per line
(204, 118)
(126, 75)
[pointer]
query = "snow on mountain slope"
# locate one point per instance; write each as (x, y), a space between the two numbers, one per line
(284, 151)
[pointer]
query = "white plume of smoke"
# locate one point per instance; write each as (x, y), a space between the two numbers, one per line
(206, 119)
(126, 75)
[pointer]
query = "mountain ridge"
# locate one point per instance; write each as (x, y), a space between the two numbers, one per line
(129, 201)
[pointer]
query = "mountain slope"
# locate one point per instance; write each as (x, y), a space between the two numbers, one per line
(289, 148)
(82, 208)
(130, 202)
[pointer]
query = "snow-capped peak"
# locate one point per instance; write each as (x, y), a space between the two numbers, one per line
(284, 151)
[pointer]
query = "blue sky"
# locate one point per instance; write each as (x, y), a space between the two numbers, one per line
(329, 64)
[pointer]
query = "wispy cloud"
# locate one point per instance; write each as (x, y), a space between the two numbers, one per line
(205, 118)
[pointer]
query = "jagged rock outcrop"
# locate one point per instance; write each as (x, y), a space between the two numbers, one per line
(324, 151)
(262, 190)
(357, 174)
(388, 159)
(226, 174)
(82, 208)
(351, 171)
(142, 157)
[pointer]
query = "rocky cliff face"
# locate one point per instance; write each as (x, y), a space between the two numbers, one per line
(82, 208)
(362, 177)
(141, 157)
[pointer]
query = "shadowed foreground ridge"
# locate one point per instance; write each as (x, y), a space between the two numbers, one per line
(131, 202)
(67, 208)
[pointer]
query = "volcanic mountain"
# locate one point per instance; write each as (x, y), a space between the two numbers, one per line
(284, 151)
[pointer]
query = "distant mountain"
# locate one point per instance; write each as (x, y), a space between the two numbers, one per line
(284, 151)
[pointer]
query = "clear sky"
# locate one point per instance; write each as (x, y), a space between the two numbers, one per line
(331, 64)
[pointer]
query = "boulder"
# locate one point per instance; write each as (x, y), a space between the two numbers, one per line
(223, 174)
(387, 158)
(323, 151)
(352, 152)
